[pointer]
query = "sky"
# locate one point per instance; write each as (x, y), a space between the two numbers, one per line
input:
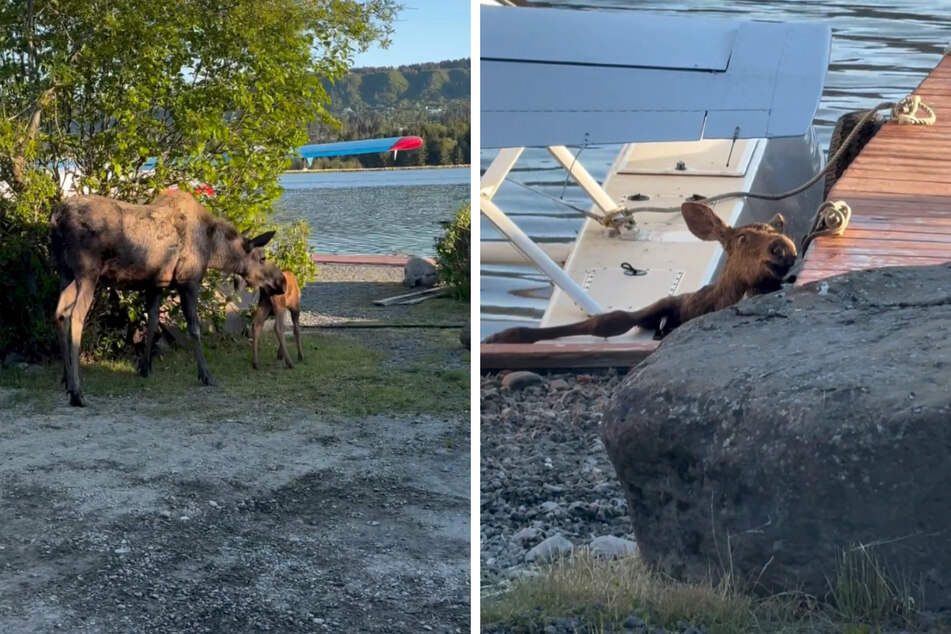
(424, 31)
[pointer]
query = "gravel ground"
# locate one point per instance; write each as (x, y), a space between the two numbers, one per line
(544, 471)
(164, 516)
(344, 294)
(119, 519)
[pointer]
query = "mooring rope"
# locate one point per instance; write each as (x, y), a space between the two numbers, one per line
(831, 218)
(904, 111)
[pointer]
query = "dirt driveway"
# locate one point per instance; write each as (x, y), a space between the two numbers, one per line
(186, 513)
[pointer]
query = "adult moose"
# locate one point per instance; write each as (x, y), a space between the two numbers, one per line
(169, 243)
(758, 257)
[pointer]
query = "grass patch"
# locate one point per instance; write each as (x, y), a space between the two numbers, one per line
(865, 591)
(439, 310)
(602, 594)
(340, 376)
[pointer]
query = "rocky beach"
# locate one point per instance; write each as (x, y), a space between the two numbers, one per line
(546, 483)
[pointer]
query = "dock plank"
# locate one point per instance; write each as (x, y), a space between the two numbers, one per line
(521, 356)
(899, 190)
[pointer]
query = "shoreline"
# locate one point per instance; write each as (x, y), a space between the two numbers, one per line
(378, 169)
(544, 470)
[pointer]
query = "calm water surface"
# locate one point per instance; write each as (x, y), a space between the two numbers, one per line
(386, 211)
(880, 52)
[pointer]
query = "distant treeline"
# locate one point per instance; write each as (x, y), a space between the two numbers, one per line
(428, 100)
(431, 84)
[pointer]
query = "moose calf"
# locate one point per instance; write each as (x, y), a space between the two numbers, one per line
(169, 243)
(278, 305)
(758, 257)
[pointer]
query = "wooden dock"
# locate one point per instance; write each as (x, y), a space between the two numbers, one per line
(554, 354)
(899, 190)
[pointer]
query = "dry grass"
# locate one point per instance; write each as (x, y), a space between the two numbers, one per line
(602, 594)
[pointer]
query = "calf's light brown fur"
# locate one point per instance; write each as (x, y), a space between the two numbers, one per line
(278, 305)
(169, 243)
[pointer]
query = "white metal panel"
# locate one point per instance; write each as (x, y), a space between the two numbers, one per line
(579, 128)
(523, 86)
(626, 292)
(585, 37)
(771, 85)
(798, 86)
(699, 158)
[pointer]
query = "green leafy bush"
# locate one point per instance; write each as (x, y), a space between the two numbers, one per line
(452, 253)
(289, 251)
(29, 286)
(218, 97)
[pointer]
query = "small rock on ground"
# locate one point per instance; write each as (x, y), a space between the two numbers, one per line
(611, 547)
(520, 380)
(549, 550)
(544, 470)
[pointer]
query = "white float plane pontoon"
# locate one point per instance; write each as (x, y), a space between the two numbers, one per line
(704, 106)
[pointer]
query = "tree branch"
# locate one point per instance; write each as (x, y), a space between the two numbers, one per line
(33, 127)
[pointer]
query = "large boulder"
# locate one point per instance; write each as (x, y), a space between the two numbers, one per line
(769, 438)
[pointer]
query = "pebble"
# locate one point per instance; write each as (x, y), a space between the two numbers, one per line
(528, 534)
(611, 547)
(634, 623)
(184, 518)
(212, 504)
(544, 471)
(550, 549)
(520, 380)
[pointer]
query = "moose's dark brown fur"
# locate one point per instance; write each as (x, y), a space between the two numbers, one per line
(758, 257)
(169, 243)
(278, 305)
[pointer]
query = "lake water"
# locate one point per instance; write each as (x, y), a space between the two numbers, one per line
(881, 51)
(378, 211)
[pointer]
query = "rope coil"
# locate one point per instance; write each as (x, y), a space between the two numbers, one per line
(907, 109)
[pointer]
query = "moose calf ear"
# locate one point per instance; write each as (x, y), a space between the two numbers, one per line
(704, 223)
(778, 223)
(261, 240)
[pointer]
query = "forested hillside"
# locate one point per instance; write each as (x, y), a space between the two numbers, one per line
(431, 85)
(427, 100)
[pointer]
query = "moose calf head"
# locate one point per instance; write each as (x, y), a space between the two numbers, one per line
(249, 261)
(758, 255)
